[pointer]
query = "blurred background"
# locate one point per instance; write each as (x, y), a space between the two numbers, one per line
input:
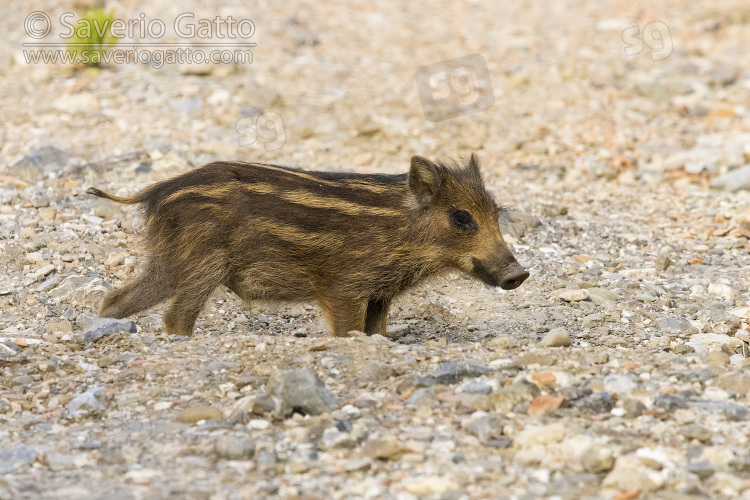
(565, 93)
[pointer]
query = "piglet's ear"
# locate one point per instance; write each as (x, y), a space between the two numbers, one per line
(473, 165)
(425, 179)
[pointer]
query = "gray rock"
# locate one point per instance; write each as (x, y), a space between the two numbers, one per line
(734, 180)
(732, 411)
(101, 327)
(451, 373)
(233, 447)
(300, 391)
(475, 387)
(375, 371)
(670, 402)
(702, 469)
(676, 326)
(333, 438)
(48, 284)
(633, 408)
(14, 458)
(38, 162)
(599, 402)
(698, 432)
(88, 403)
(489, 430)
(395, 332)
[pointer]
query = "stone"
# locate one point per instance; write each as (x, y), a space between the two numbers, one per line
(601, 295)
(13, 458)
(39, 162)
(506, 398)
(676, 325)
(723, 291)
(300, 391)
(574, 295)
(633, 408)
(89, 403)
(738, 383)
(539, 435)
(695, 431)
(233, 447)
(598, 459)
(670, 402)
(62, 326)
(102, 327)
(80, 290)
(734, 180)
(357, 464)
(198, 413)
(622, 385)
(629, 474)
(433, 485)
(488, 428)
(719, 358)
(384, 448)
(333, 438)
(452, 373)
(475, 387)
(544, 405)
(702, 469)
(663, 262)
(375, 371)
(712, 341)
(557, 337)
(599, 402)
(395, 332)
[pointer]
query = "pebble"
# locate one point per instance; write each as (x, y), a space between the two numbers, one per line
(600, 402)
(574, 295)
(698, 432)
(676, 325)
(488, 428)
(301, 391)
(452, 373)
(557, 337)
(734, 180)
(539, 435)
(670, 402)
(384, 448)
(15, 457)
(195, 414)
(432, 485)
(79, 290)
(598, 459)
(88, 403)
(233, 447)
(103, 327)
(375, 371)
(629, 474)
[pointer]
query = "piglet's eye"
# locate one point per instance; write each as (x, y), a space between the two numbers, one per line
(461, 219)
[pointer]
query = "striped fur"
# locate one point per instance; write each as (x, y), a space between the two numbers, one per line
(351, 241)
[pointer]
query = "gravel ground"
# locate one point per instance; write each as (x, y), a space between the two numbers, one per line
(617, 371)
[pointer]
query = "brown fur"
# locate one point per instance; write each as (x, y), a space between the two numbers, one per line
(353, 242)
